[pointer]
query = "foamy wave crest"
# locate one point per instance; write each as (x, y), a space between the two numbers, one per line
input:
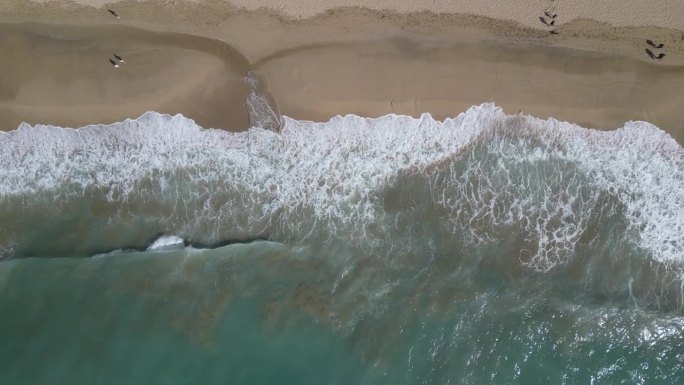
(167, 242)
(479, 178)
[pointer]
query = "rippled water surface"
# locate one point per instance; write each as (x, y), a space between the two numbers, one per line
(483, 249)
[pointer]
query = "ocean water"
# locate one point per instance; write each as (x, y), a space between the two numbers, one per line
(483, 249)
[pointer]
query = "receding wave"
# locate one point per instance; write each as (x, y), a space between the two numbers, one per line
(550, 193)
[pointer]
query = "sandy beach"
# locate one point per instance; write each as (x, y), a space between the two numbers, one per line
(320, 60)
(61, 76)
(378, 192)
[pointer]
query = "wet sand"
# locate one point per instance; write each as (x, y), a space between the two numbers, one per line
(60, 75)
(347, 61)
(403, 77)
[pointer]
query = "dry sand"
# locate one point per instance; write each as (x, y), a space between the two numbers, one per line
(189, 57)
(661, 13)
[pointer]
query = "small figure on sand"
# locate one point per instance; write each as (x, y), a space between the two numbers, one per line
(120, 59)
(654, 45)
(550, 19)
(654, 56)
(113, 13)
(114, 63)
(549, 23)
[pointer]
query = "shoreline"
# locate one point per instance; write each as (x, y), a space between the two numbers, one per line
(352, 61)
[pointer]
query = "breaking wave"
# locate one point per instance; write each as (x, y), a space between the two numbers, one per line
(549, 193)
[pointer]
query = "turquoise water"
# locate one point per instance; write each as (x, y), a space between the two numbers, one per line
(484, 249)
(138, 319)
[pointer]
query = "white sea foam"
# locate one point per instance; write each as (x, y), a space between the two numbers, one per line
(165, 242)
(543, 176)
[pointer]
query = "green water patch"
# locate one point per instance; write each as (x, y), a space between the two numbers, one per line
(266, 313)
(109, 321)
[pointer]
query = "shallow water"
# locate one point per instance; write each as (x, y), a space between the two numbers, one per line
(483, 249)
